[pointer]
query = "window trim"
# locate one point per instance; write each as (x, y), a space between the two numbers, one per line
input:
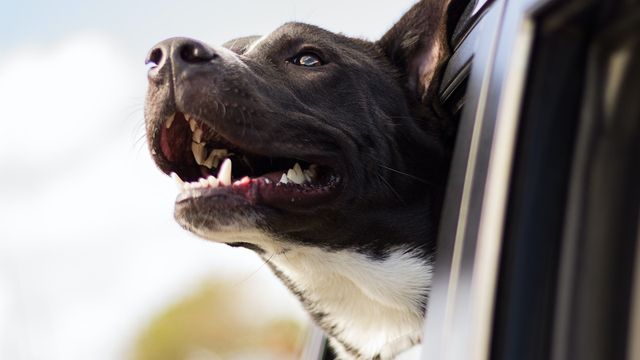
(460, 312)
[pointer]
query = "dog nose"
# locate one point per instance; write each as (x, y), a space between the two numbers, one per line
(177, 54)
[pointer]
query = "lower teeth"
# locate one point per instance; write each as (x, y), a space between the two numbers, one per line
(294, 175)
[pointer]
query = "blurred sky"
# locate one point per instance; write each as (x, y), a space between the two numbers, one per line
(89, 250)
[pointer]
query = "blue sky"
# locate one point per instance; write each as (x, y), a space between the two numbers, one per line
(88, 247)
(139, 23)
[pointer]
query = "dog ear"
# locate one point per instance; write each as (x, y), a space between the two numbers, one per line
(417, 45)
(241, 44)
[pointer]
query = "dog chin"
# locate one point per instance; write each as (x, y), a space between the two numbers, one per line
(241, 226)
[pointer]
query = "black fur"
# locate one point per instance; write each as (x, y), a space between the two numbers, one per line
(370, 112)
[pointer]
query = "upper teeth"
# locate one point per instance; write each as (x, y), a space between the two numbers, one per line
(211, 159)
(197, 135)
(198, 146)
(215, 156)
(193, 124)
(198, 152)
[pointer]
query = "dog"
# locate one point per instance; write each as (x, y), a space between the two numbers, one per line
(326, 155)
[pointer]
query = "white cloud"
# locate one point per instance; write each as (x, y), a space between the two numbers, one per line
(61, 96)
(88, 246)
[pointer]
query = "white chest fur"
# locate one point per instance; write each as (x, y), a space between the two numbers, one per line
(372, 305)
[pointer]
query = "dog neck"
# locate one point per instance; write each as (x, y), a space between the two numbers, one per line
(368, 306)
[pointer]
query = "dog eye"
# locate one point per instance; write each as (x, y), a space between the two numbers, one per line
(307, 59)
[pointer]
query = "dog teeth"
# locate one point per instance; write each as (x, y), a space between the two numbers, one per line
(213, 181)
(211, 161)
(197, 135)
(209, 182)
(169, 120)
(215, 156)
(198, 147)
(199, 152)
(224, 173)
(307, 176)
(296, 175)
(179, 181)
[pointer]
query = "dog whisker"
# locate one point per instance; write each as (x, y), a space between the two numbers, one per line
(139, 143)
(405, 174)
(384, 181)
(252, 274)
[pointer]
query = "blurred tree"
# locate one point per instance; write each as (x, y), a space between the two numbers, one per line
(209, 324)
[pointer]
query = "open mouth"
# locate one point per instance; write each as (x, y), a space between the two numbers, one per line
(205, 164)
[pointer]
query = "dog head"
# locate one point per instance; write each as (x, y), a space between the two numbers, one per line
(303, 141)
(328, 138)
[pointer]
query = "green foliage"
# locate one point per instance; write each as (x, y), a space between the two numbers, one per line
(209, 324)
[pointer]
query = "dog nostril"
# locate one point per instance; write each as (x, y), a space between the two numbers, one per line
(195, 53)
(154, 58)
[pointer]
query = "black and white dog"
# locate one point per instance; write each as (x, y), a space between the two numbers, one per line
(325, 154)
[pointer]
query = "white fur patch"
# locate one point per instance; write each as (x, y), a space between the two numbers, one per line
(373, 305)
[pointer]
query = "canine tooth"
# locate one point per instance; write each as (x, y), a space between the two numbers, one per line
(284, 179)
(197, 135)
(169, 120)
(193, 124)
(297, 169)
(213, 181)
(176, 177)
(224, 173)
(179, 181)
(198, 152)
